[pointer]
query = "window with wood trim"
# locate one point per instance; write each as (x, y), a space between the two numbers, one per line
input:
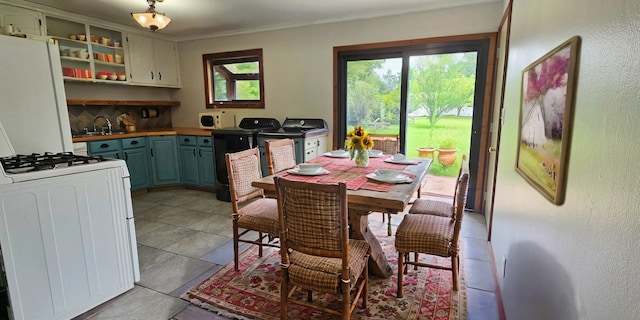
(234, 79)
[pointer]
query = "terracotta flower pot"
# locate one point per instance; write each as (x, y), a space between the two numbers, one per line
(425, 152)
(447, 157)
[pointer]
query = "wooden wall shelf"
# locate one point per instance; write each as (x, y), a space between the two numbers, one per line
(75, 102)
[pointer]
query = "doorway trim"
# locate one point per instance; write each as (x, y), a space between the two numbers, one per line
(479, 185)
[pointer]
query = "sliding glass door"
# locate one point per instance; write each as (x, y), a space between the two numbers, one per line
(427, 95)
(440, 105)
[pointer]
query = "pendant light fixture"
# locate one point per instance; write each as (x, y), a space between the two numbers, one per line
(151, 19)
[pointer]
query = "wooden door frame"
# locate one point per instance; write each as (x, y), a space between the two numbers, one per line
(506, 18)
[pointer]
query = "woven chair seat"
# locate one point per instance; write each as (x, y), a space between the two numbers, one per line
(323, 274)
(424, 233)
(260, 215)
(436, 208)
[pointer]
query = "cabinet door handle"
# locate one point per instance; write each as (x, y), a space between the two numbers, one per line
(151, 75)
(118, 155)
(126, 156)
(159, 75)
(194, 152)
(151, 150)
(200, 153)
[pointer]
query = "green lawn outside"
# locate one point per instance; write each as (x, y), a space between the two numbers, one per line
(419, 133)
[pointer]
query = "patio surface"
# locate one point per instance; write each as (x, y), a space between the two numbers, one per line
(439, 186)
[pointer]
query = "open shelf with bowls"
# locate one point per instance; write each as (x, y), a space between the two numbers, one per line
(108, 54)
(87, 52)
(74, 50)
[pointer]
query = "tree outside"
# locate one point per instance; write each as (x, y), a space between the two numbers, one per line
(440, 86)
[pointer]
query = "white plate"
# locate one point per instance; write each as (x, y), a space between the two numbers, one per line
(373, 155)
(404, 161)
(305, 173)
(334, 154)
(401, 178)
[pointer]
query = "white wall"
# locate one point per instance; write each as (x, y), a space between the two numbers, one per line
(578, 260)
(298, 62)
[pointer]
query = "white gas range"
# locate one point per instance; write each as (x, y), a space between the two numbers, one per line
(66, 231)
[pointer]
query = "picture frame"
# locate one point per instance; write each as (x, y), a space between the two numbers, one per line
(544, 131)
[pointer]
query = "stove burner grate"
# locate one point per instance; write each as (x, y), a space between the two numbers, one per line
(37, 162)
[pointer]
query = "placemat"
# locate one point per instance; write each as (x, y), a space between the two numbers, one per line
(345, 170)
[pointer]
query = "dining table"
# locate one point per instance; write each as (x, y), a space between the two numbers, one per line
(366, 193)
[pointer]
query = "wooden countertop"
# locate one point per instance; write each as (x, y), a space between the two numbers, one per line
(148, 133)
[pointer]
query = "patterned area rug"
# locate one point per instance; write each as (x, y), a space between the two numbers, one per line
(253, 291)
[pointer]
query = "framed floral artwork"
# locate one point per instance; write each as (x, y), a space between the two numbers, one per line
(548, 86)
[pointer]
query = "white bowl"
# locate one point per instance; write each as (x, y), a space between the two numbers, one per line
(113, 77)
(375, 153)
(103, 76)
(306, 167)
(398, 156)
(387, 174)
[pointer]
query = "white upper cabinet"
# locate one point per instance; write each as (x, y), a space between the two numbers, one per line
(24, 21)
(152, 61)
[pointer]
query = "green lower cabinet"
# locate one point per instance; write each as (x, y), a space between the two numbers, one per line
(206, 166)
(137, 157)
(189, 165)
(165, 164)
(196, 155)
(106, 148)
(162, 160)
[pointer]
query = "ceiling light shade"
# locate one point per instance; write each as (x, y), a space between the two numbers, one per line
(151, 19)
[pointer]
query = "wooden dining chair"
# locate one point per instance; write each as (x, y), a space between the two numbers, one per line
(389, 144)
(439, 207)
(432, 235)
(259, 215)
(316, 252)
(281, 155)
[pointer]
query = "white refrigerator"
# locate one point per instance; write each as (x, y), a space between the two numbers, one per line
(33, 105)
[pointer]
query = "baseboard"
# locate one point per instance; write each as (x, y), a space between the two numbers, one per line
(498, 293)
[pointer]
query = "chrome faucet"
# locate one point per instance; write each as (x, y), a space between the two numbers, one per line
(108, 127)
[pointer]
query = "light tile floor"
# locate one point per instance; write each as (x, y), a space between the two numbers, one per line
(185, 235)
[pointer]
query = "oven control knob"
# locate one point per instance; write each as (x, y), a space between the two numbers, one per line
(256, 121)
(301, 122)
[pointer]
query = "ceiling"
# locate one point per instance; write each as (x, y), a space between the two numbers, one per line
(206, 18)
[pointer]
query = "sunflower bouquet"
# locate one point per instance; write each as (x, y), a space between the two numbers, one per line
(358, 142)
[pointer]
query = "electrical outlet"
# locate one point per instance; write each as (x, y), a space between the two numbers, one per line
(504, 267)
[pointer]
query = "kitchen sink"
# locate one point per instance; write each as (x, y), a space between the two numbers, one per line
(97, 133)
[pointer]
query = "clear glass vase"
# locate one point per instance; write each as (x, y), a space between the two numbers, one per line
(361, 157)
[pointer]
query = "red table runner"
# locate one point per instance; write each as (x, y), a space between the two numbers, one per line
(345, 170)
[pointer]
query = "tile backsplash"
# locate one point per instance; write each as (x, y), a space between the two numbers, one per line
(82, 117)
